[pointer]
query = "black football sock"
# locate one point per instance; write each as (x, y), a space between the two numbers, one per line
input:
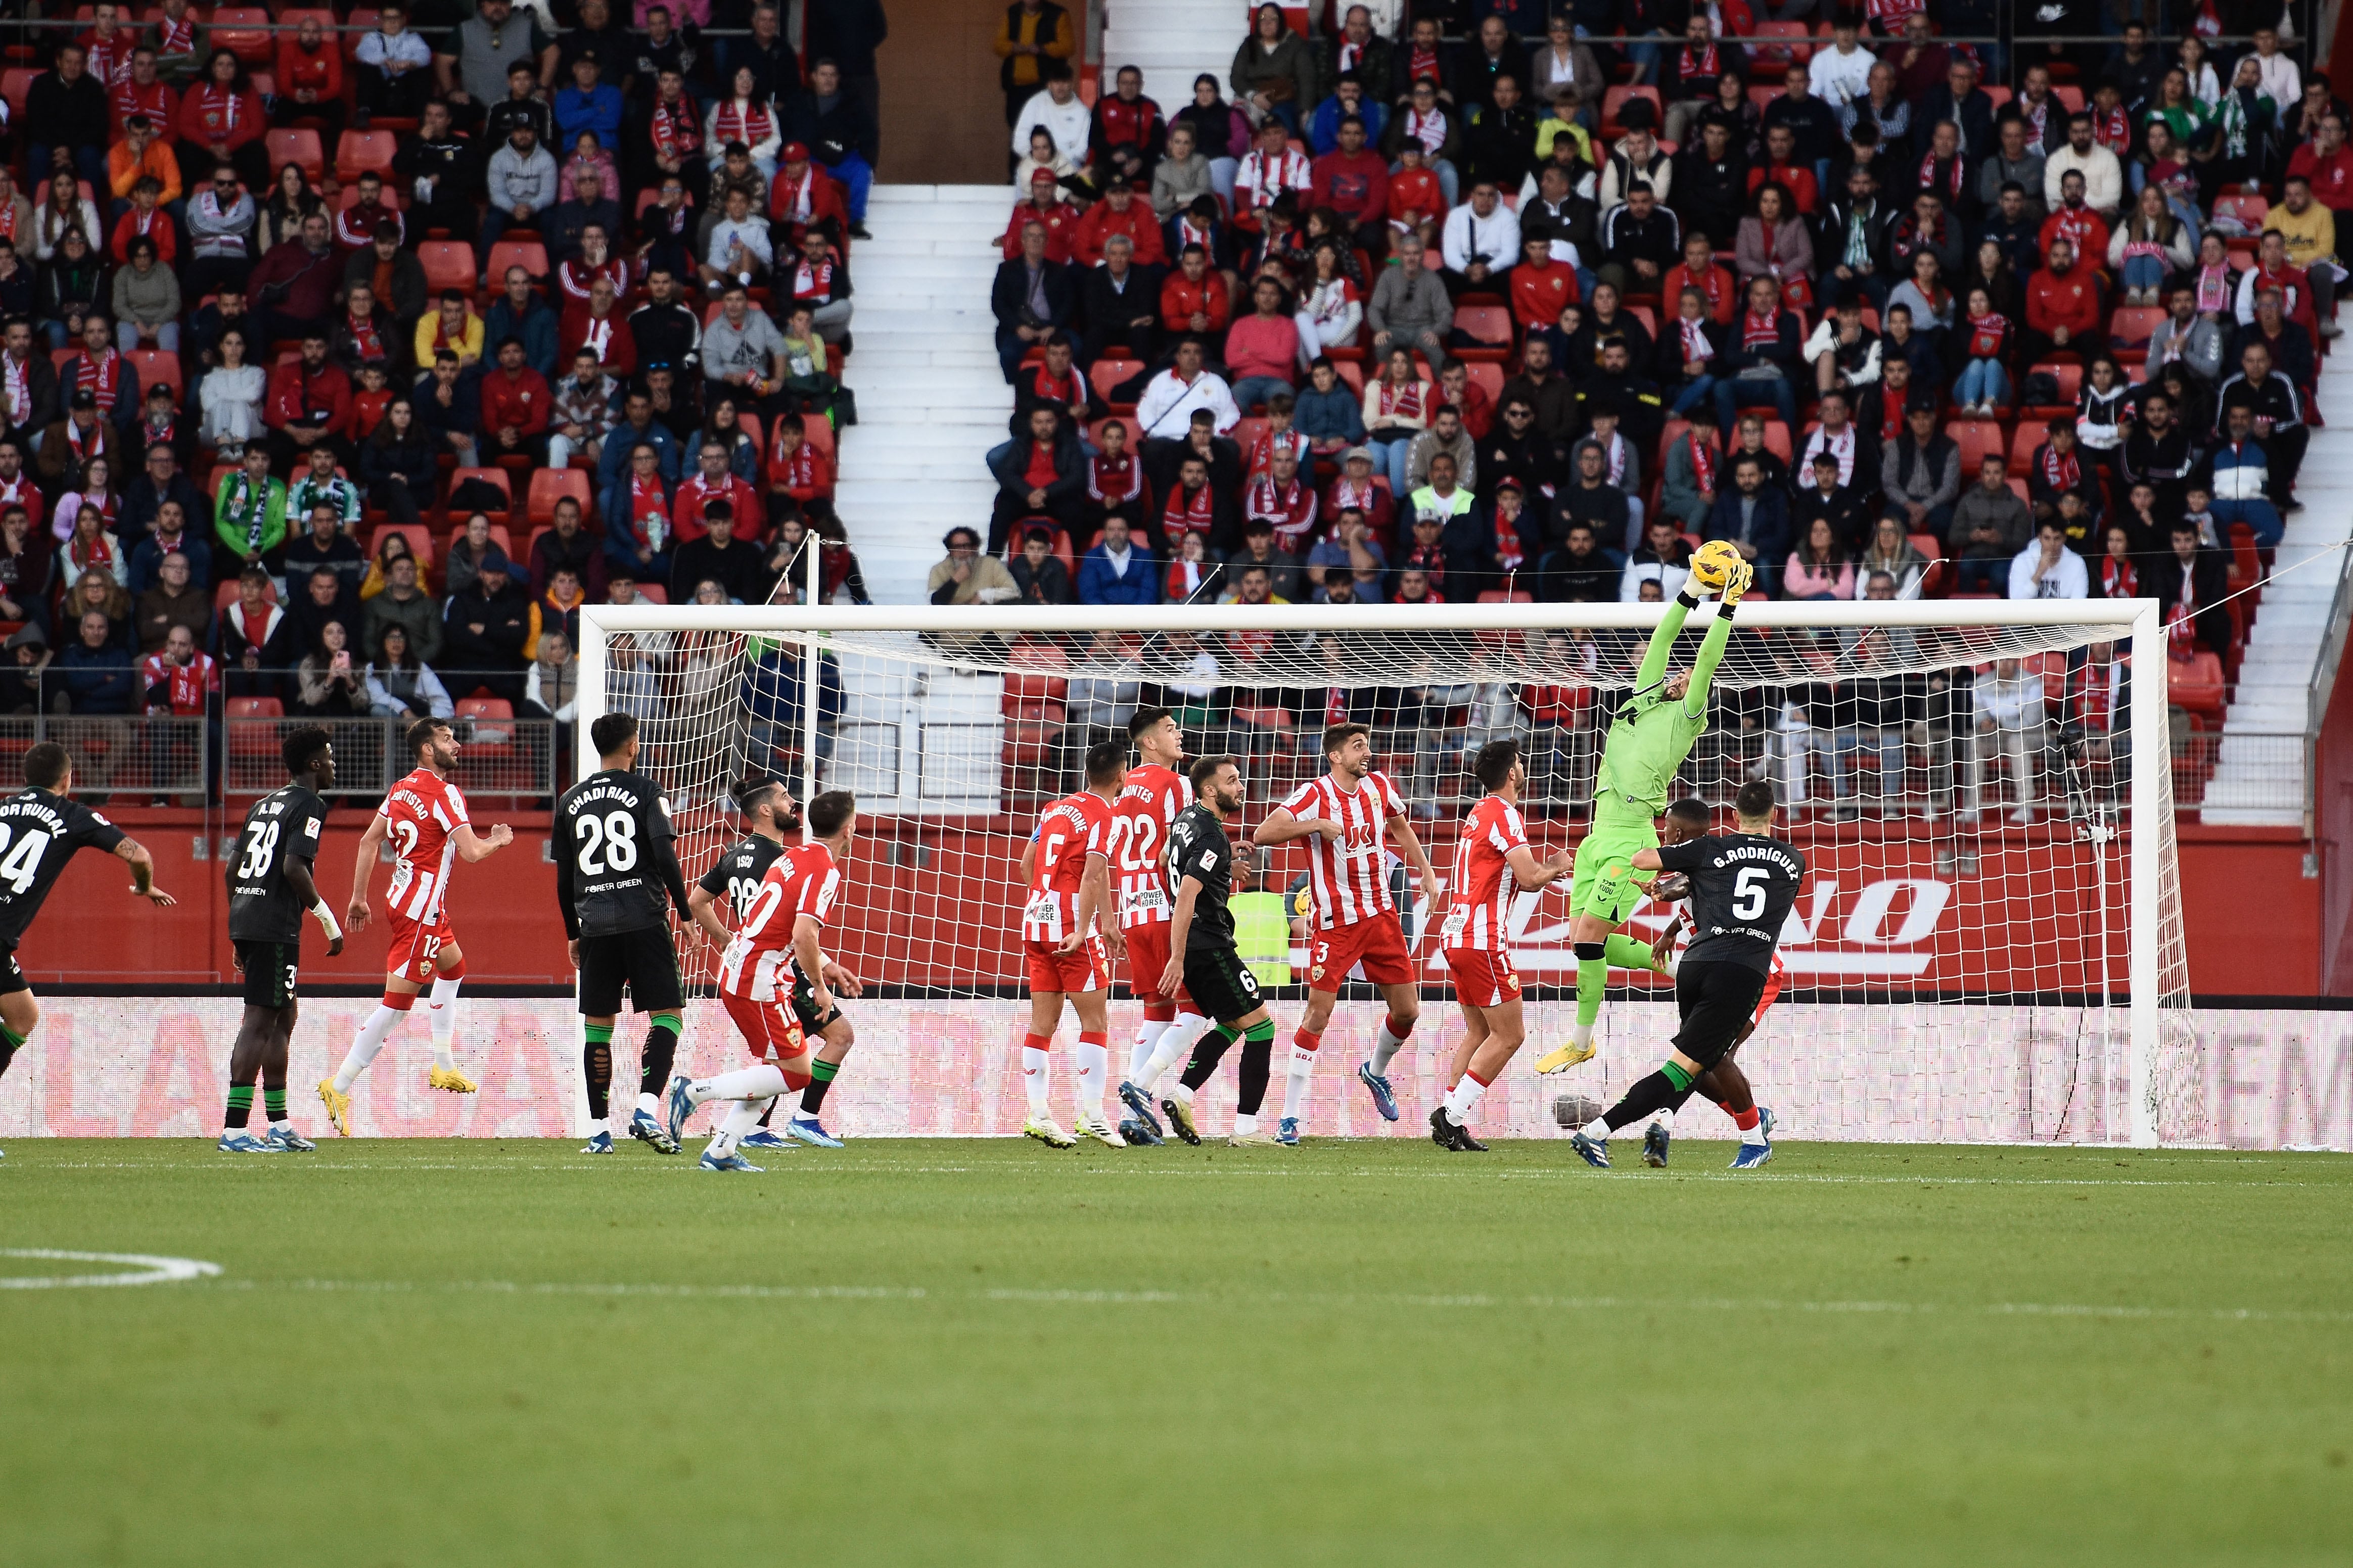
(596, 1067)
(1258, 1057)
(1654, 1092)
(821, 1076)
(1207, 1052)
(661, 1049)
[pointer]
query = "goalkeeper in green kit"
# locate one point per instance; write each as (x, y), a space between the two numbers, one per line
(1650, 734)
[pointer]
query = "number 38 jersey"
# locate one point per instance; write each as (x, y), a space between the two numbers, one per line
(280, 828)
(1742, 888)
(38, 833)
(1139, 835)
(421, 815)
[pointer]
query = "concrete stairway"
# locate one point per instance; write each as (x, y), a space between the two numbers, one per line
(2258, 774)
(931, 399)
(1173, 41)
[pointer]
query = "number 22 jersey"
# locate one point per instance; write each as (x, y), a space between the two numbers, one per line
(1139, 833)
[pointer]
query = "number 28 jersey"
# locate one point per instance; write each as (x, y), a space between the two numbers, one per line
(1139, 835)
(421, 816)
(803, 879)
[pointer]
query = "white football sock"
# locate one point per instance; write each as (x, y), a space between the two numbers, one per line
(1245, 1125)
(651, 1105)
(1183, 1093)
(755, 1083)
(735, 1129)
(1033, 1080)
(1294, 1083)
(364, 1046)
(1580, 1035)
(1385, 1051)
(1462, 1099)
(602, 1124)
(1147, 1039)
(1094, 1061)
(1175, 1049)
(1598, 1129)
(441, 1016)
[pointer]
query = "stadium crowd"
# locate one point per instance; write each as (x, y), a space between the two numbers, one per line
(348, 354)
(1430, 317)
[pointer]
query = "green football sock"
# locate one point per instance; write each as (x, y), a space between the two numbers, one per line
(273, 1102)
(240, 1105)
(1629, 953)
(1592, 984)
(1676, 1075)
(821, 1076)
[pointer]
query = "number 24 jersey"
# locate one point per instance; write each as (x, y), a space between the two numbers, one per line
(38, 833)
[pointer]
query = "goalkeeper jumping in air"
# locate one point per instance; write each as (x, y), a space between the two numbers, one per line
(1649, 736)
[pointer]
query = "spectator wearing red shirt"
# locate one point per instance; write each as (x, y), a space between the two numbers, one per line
(147, 216)
(1355, 182)
(1055, 384)
(2327, 164)
(221, 122)
(1781, 167)
(178, 679)
(802, 196)
(2062, 308)
(1701, 270)
(1457, 391)
(1415, 196)
(796, 467)
(515, 404)
(1048, 210)
(1355, 488)
(713, 479)
(598, 324)
(1285, 501)
(309, 402)
(356, 225)
(144, 92)
(310, 77)
(1194, 299)
(1540, 286)
(1119, 213)
(1262, 348)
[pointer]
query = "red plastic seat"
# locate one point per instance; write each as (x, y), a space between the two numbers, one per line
(16, 86)
(2247, 207)
(2023, 443)
(2131, 327)
(449, 264)
(527, 253)
(257, 735)
(299, 147)
(494, 476)
(1491, 324)
(1614, 99)
(2195, 684)
(1978, 439)
(360, 21)
(157, 367)
(549, 486)
(493, 721)
(2071, 382)
(244, 31)
(357, 151)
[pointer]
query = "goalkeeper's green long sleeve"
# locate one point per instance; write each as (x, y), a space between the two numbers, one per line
(1663, 642)
(1711, 654)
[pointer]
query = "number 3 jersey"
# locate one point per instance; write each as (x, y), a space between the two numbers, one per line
(1139, 835)
(38, 833)
(802, 879)
(615, 868)
(421, 816)
(280, 827)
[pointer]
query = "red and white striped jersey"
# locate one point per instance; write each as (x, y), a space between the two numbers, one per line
(1483, 884)
(1139, 834)
(758, 966)
(421, 816)
(1348, 875)
(1069, 831)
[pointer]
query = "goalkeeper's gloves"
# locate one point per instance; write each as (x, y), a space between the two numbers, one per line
(1688, 597)
(1737, 584)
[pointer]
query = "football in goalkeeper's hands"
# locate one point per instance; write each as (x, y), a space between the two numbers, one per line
(1714, 565)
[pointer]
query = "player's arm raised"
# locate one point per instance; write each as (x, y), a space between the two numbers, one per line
(143, 873)
(355, 915)
(473, 846)
(1280, 828)
(300, 882)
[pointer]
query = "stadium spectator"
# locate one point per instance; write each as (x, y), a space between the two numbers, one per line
(1171, 398)
(1039, 577)
(717, 555)
(404, 606)
(94, 674)
(1991, 523)
(491, 630)
(967, 576)
(400, 682)
(2048, 569)
(1920, 473)
(1117, 570)
(331, 681)
(2007, 701)
(1409, 307)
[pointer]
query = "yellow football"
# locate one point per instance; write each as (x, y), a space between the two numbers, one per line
(1714, 564)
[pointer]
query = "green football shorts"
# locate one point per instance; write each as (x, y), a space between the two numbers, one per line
(1606, 883)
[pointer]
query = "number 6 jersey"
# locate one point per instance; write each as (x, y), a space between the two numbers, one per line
(38, 833)
(280, 826)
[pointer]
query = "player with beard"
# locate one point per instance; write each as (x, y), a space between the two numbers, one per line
(1148, 806)
(1205, 960)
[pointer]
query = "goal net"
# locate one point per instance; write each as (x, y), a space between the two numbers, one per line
(1988, 948)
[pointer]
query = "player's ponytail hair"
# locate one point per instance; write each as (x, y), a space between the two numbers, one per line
(1755, 802)
(1492, 766)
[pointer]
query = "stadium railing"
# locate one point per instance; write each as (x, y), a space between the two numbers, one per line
(164, 755)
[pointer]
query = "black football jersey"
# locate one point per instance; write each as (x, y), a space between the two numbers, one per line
(615, 864)
(735, 875)
(280, 827)
(38, 833)
(1742, 888)
(1198, 849)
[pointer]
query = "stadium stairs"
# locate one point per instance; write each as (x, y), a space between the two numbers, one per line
(931, 399)
(2258, 780)
(1171, 41)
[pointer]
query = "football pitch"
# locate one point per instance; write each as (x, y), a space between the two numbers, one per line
(981, 1352)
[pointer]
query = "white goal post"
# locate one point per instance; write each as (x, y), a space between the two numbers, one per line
(920, 709)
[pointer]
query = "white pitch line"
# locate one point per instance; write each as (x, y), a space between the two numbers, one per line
(156, 1271)
(1475, 1301)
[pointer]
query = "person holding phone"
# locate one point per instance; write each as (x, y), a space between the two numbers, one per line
(327, 685)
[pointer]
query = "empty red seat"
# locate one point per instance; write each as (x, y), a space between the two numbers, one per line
(359, 150)
(300, 147)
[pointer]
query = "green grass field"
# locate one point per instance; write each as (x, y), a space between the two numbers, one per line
(984, 1353)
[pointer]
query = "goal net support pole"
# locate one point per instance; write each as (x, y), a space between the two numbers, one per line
(1405, 645)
